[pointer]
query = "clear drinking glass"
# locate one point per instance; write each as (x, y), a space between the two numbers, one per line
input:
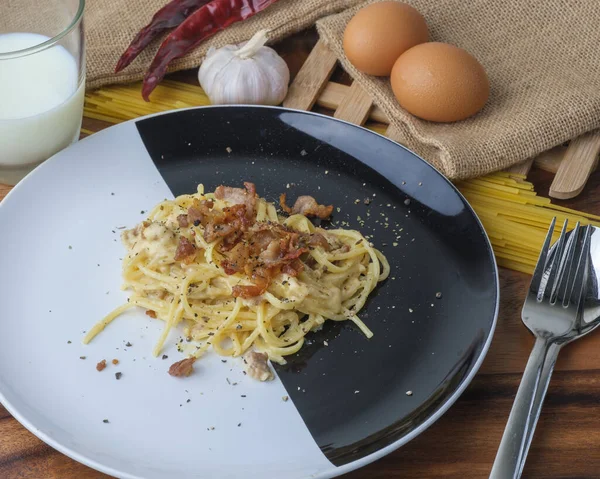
(42, 81)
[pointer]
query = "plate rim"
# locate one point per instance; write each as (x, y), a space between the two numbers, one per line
(335, 471)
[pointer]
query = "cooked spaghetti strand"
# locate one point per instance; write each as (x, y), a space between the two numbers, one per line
(181, 267)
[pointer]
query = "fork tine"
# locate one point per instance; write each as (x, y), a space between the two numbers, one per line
(540, 267)
(578, 284)
(554, 266)
(567, 268)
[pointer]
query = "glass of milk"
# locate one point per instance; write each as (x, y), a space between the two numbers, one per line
(42, 81)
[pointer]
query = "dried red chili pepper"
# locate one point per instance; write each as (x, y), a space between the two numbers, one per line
(171, 15)
(203, 23)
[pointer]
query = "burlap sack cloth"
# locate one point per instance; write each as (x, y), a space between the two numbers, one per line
(542, 58)
(543, 61)
(111, 25)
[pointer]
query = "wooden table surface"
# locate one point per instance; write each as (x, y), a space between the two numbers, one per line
(463, 443)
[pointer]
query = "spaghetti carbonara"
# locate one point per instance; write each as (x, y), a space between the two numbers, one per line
(239, 276)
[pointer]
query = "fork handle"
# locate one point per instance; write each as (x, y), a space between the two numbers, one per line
(551, 357)
(510, 458)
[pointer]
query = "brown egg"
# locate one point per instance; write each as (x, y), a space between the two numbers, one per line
(379, 33)
(440, 82)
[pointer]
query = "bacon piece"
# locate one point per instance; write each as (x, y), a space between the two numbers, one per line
(262, 272)
(272, 253)
(230, 225)
(195, 215)
(266, 231)
(265, 250)
(307, 206)
(258, 367)
(251, 188)
(237, 259)
(283, 203)
(290, 246)
(262, 250)
(251, 291)
(317, 239)
(294, 254)
(294, 268)
(151, 313)
(229, 267)
(248, 291)
(213, 231)
(186, 250)
(182, 221)
(238, 196)
(101, 365)
(237, 217)
(200, 212)
(182, 368)
(261, 236)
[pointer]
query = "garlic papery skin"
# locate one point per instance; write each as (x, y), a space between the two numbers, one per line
(250, 73)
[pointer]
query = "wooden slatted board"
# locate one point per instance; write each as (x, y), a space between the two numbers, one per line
(572, 163)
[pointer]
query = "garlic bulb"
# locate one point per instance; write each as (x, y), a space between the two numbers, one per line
(248, 73)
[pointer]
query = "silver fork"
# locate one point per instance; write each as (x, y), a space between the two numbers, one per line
(551, 312)
(590, 320)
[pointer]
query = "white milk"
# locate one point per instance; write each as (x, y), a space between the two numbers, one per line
(40, 104)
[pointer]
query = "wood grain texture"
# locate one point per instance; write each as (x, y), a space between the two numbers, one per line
(355, 106)
(550, 160)
(4, 189)
(311, 79)
(334, 94)
(521, 168)
(579, 161)
(463, 443)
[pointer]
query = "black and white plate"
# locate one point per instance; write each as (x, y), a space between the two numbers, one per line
(351, 400)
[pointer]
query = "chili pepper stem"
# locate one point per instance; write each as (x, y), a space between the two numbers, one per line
(253, 45)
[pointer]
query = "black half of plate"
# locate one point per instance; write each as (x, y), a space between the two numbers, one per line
(433, 316)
